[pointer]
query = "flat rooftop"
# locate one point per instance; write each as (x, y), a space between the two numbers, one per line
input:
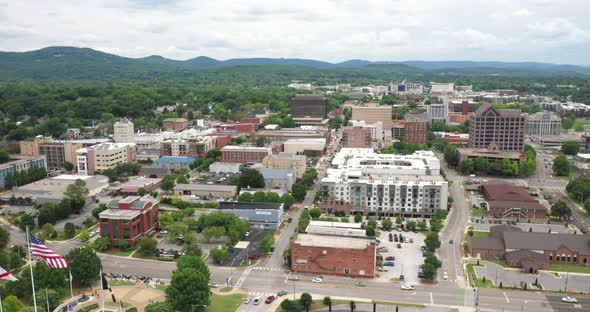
(249, 206)
(314, 240)
(205, 187)
(489, 153)
(125, 214)
(335, 224)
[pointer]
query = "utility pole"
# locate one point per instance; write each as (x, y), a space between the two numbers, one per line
(567, 275)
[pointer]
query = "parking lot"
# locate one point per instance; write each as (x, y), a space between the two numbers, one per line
(214, 178)
(239, 256)
(408, 258)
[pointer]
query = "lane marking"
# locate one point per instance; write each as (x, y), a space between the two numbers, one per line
(431, 299)
(506, 296)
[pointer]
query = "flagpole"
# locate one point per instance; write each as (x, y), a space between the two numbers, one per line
(101, 292)
(47, 297)
(1, 309)
(71, 289)
(31, 267)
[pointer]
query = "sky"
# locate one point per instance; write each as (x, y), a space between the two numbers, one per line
(555, 31)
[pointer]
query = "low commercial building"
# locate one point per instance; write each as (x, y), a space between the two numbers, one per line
(133, 187)
(244, 154)
(281, 179)
(305, 146)
(104, 156)
(335, 255)
(305, 132)
(226, 167)
(555, 141)
(20, 163)
(310, 121)
(154, 172)
(174, 162)
(206, 190)
(513, 202)
(356, 137)
(582, 161)
(453, 138)
(129, 219)
(531, 251)
(175, 124)
(53, 189)
(298, 163)
(490, 155)
(242, 128)
(261, 215)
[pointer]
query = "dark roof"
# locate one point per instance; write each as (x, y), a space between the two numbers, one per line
(498, 112)
(506, 192)
(249, 205)
(303, 97)
(498, 230)
(524, 254)
(493, 243)
(154, 170)
(547, 241)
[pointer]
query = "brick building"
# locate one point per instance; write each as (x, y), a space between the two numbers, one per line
(244, 154)
(512, 202)
(245, 128)
(531, 251)
(195, 147)
(175, 124)
(503, 129)
(129, 219)
(337, 255)
(221, 140)
(416, 129)
(356, 137)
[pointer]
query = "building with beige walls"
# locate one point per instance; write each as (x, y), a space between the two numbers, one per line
(123, 131)
(287, 161)
(31, 147)
(103, 156)
(373, 113)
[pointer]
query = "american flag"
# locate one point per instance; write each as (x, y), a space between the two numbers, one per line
(53, 260)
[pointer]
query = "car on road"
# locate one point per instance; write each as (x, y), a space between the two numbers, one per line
(361, 284)
(293, 278)
(399, 245)
(569, 299)
(445, 276)
(253, 257)
(163, 232)
(281, 293)
(247, 300)
(407, 287)
(257, 300)
(388, 263)
(451, 241)
(382, 250)
(389, 258)
(270, 299)
(247, 234)
(383, 269)
(317, 280)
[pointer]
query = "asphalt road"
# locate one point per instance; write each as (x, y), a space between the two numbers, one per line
(580, 218)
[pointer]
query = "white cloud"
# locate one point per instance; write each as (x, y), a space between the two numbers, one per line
(331, 30)
(557, 31)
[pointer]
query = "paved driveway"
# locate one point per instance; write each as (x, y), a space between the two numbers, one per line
(549, 281)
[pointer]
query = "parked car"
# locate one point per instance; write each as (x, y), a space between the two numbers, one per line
(399, 245)
(388, 263)
(407, 287)
(360, 284)
(163, 232)
(317, 280)
(253, 257)
(247, 300)
(451, 241)
(382, 269)
(445, 276)
(389, 258)
(281, 293)
(293, 278)
(247, 234)
(257, 300)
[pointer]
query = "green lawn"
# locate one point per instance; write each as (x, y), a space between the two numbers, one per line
(481, 234)
(498, 262)
(478, 213)
(117, 252)
(569, 268)
(229, 303)
(121, 283)
(474, 281)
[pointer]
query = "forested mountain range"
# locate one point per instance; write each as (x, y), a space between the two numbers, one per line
(71, 63)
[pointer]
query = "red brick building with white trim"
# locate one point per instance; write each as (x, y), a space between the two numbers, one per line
(129, 219)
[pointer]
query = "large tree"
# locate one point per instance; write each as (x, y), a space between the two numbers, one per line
(194, 262)
(432, 242)
(251, 178)
(188, 290)
(561, 166)
(561, 210)
(570, 147)
(85, 265)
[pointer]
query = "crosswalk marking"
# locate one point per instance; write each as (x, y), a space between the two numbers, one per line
(267, 269)
(469, 297)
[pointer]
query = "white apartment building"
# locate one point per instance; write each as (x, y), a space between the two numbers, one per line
(405, 87)
(361, 180)
(103, 156)
(437, 112)
(442, 87)
(543, 124)
(123, 131)
(376, 128)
